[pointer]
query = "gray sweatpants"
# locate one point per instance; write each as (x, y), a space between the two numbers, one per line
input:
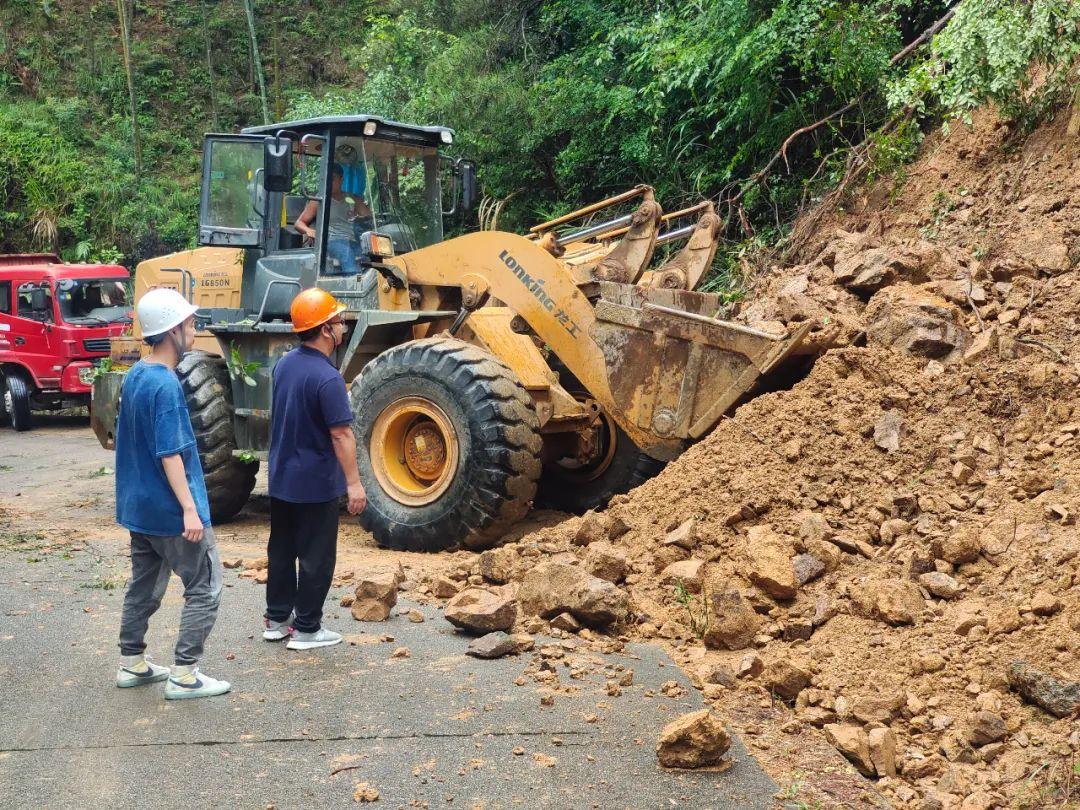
(153, 560)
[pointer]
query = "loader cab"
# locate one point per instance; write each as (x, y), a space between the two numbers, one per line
(257, 184)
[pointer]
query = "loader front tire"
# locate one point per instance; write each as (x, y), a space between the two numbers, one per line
(619, 465)
(448, 446)
(229, 481)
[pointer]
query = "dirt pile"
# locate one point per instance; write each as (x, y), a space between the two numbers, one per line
(889, 548)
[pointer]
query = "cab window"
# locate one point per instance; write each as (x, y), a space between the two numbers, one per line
(26, 302)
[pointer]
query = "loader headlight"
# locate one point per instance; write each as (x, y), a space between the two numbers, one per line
(379, 246)
(446, 137)
(369, 128)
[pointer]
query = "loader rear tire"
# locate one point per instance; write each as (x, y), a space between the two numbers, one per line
(229, 481)
(620, 465)
(448, 446)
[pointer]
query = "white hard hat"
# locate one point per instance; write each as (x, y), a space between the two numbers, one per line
(162, 309)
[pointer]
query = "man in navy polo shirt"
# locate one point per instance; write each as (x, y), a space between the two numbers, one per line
(312, 464)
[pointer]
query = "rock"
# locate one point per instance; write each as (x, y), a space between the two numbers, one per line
(750, 666)
(882, 744)
(960, 546)
(733, 623)
(256, 564)
(807, 567)
(258, 575)
(416, 617)
(695, 740)
(374, 597)
(593, 528)
(787, 677)
(685, 536)
(869, 270)
(1059, 697)
(232, 562)
(966, 619)
(616, 527)
(916, 322)
(1045, 604)
(444, 587)
(955, 748)
(893, 601)
(347, 599)
(881, 708)
(552, 588)
(688, 572)
(607, 562)
(985, 727)
(717, 673)
(768, 563)
(984, 343)
(481, 611)
(888, 429)
(365, 793)
(523, 642)
(1004, 620)
(492, 645)
(498, 564)
(940, 585)
(401, 652)
(892, 530)
(826, 551)
(853, 743)
(814, 527)
(566, 622)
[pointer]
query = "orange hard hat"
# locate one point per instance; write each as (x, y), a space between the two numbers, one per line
(313, 307)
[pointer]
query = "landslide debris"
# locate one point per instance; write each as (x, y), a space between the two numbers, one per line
(888, 549)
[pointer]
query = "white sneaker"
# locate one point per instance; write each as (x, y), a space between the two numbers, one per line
(307, 641)
(188, 682)
(136, 670)
(277, 631)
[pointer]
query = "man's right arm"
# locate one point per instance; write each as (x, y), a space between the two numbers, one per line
(303, 222)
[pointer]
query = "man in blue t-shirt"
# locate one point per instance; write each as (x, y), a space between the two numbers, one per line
(161, 500)
(312, 465)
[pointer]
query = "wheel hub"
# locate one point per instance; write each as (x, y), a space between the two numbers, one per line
(414, 451)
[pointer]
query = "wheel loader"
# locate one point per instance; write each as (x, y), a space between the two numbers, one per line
(488, 371)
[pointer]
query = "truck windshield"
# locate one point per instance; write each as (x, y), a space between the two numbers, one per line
(93, 300)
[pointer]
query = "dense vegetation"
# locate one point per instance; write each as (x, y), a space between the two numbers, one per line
(561, 102)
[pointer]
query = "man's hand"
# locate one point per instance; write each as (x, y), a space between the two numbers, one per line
(193, 528)
(357, 498)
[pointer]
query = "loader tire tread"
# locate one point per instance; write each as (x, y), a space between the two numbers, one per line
(499, 444)
(229, 481)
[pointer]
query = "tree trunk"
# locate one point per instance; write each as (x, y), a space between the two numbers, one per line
(210, 75)
(249, 8)
(125, 40)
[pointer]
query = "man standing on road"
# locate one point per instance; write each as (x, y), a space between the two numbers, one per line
(161, 500)
(312, 464)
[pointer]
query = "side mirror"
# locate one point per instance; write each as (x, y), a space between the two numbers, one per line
(468, 185)
(277, 164)
(39, 299)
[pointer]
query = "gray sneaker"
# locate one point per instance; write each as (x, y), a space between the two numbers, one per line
(278, 631)
(309, 641)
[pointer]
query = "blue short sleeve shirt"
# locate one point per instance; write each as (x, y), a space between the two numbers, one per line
(309, 398)
(153, 424)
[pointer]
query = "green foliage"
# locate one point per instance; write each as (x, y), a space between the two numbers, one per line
(696, 607)
(238, 369)
(560, 102)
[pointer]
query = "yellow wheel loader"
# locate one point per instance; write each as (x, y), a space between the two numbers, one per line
(487, 372)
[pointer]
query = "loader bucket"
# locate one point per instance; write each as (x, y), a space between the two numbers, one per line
(675, 369)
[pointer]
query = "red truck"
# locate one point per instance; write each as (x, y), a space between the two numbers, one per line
(55, 323)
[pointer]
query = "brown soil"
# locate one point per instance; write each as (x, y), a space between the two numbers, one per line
(922, 437)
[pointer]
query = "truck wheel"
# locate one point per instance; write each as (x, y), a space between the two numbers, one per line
(448, 445)
(229, 481)
(17, 401)
(617, 465)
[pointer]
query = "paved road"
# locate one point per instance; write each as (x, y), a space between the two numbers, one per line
(436, 727)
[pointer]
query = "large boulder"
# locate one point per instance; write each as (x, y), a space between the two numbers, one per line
(695, 740)
(1057, 696)
(481, 611)
(552, 588)
(916, 322)
(733, 623)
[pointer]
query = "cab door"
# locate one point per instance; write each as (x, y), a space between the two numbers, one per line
(232, 206)
(31, 335)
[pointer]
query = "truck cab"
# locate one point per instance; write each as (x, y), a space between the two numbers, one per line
(56, 321)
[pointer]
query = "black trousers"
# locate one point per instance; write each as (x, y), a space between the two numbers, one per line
(305, 533)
